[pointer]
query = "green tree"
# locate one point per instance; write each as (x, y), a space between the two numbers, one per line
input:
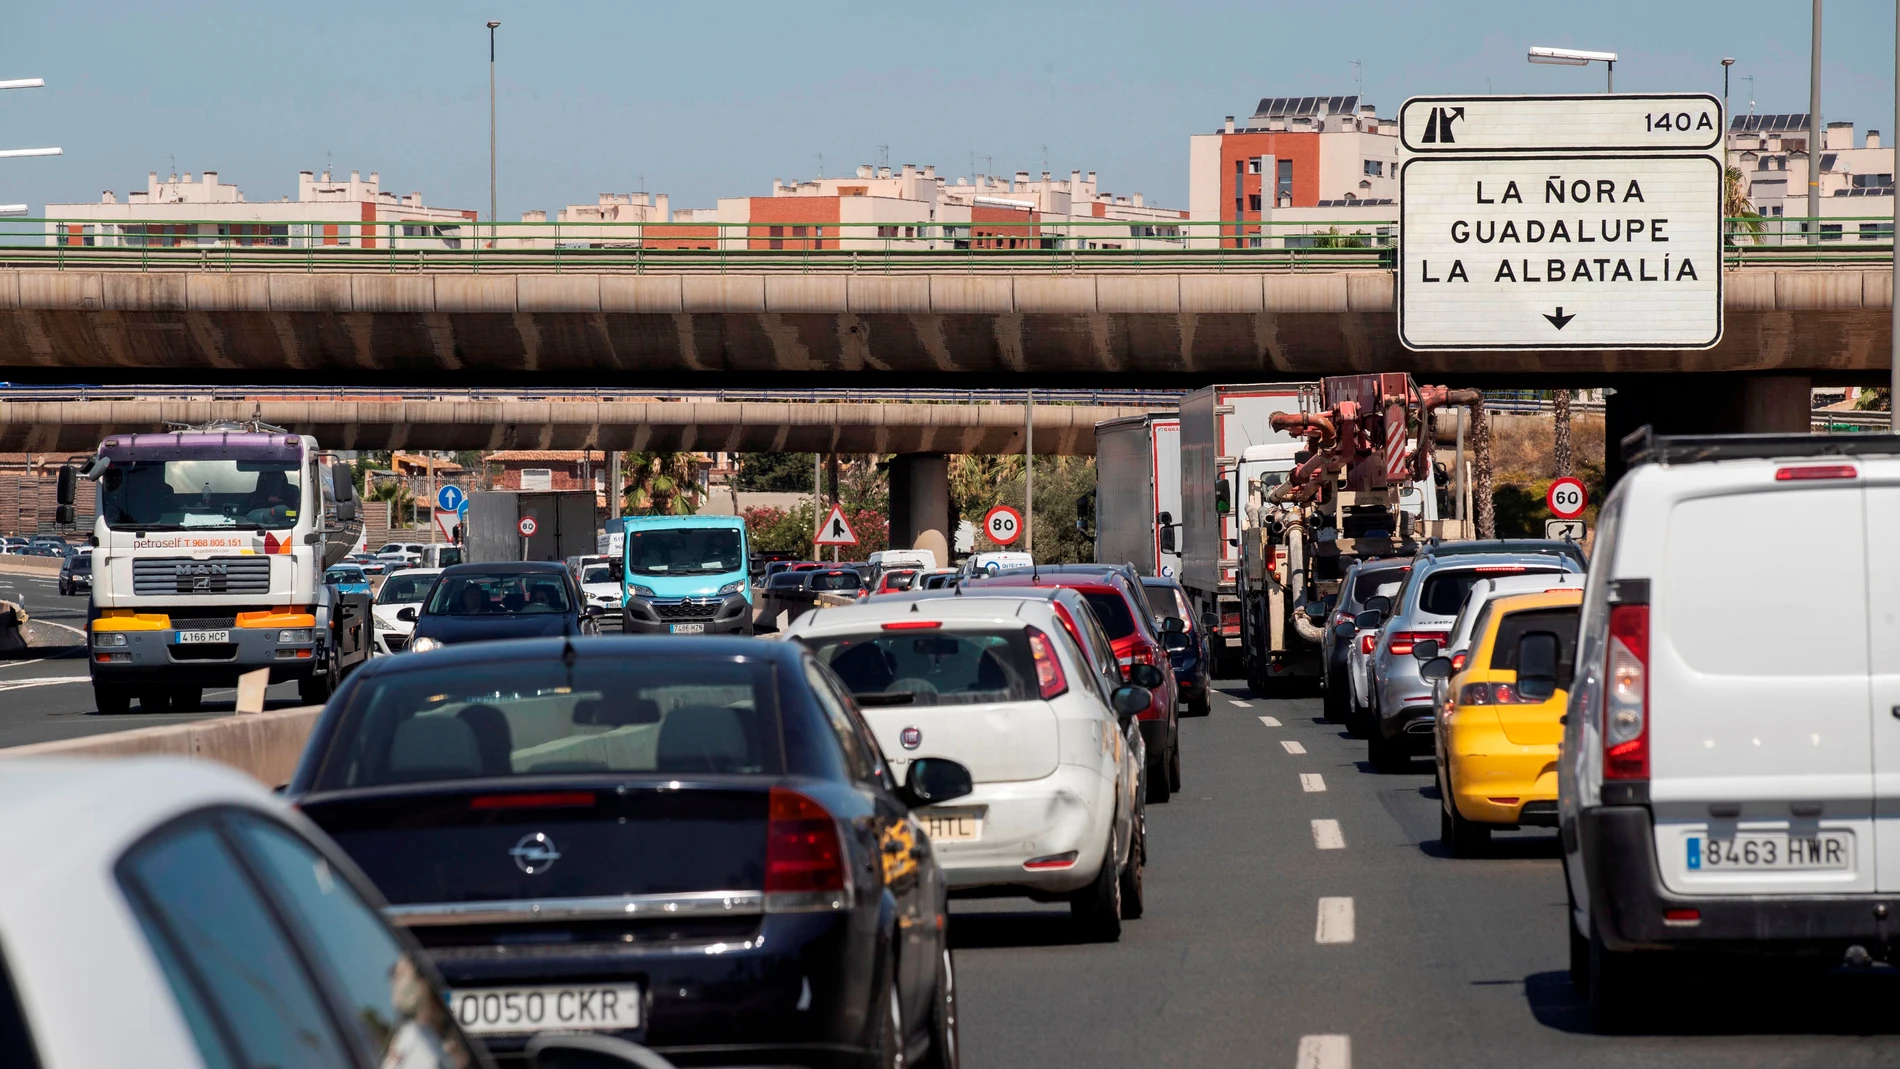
(660, 484)
(402, 502)
(1060, 482)
(1334, 238)
(1743, 219)
(781, 472)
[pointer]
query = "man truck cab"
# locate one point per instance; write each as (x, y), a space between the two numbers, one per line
(685, 575)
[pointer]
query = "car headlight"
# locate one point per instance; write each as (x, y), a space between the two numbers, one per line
(109, 638)
(640, 591)
(733, 587)
(424, 645)
(294, 635)
(380, 624)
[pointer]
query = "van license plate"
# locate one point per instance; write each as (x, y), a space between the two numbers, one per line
(590, 1007)
(688, 629)
(1828, 850)
(204, 636)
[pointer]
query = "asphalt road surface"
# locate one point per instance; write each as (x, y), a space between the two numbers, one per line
(1261, 948)
(45, 693)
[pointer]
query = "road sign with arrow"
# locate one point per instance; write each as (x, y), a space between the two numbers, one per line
(1582, 222)
(836, 530)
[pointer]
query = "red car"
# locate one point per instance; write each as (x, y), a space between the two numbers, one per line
(1123, 611)
(896, 580)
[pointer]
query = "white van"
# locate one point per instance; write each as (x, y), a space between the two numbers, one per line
(1730, 777)
(924, 559)
(999, 561)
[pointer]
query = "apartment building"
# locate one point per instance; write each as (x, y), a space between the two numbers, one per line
(1856, 180)
(1298, 171)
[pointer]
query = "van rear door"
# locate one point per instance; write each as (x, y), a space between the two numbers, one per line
(1880, 481)
(1759, 724)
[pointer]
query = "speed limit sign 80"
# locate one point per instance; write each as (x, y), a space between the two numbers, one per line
(1003, 525)
(1567, 498)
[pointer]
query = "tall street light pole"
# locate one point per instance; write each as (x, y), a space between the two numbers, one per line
(493, 214)
(1814, 130)
(1577, 57)
(1893, 375)
(1727, 62)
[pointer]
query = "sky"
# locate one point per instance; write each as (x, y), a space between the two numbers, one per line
(708, 100)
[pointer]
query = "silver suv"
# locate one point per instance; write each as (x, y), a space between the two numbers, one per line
(1424, 611)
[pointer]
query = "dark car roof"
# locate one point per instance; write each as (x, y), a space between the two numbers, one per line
(1551, 546)
(507, 567)
(603, 646)
(1160, 580)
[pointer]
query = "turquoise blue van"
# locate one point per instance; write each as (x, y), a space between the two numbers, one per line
(684, 575)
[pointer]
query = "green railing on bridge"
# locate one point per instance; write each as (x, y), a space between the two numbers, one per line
(1056, 245)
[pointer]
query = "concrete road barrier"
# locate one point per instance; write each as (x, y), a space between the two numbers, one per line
(265, 745)
(12, 626)
(20, 564)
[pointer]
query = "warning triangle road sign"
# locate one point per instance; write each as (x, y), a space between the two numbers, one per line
(836, 530)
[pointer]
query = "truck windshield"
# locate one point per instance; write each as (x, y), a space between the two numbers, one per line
(192, 494)
(684, 551)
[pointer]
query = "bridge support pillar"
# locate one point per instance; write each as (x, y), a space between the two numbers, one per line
(920, 503)
(1706, 403)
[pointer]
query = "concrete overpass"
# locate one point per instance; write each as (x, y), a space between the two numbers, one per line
(1028, 325)
(1060, 429)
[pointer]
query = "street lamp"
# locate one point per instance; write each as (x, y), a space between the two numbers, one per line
(492, 213)
(1572, 57)
(1727, 62)
(20, 153)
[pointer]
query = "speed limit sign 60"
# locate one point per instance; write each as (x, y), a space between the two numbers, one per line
(1003, 525)
(1567, 498)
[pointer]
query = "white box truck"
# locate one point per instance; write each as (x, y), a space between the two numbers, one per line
(1138, 493)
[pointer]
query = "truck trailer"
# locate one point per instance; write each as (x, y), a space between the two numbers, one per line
(566, 524)
(1138, 493)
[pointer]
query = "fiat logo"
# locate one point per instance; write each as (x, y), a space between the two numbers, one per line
(911, 738)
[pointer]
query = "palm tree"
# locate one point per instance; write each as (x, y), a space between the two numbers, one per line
(661, 484)
(1560, 450)
(402, 501)
(1741, 216)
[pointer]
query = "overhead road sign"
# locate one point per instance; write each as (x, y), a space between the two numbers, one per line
(1654, 122)
(836, 530)
(1004, 525)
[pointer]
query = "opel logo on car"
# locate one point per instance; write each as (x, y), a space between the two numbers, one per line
(911, 738)
(535, 853)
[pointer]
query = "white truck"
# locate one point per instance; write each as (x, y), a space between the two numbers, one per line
(1138, 493)
(1218, 425)
(211, 544)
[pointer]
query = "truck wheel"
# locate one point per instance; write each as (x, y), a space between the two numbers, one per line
(187, 699)
(315, 690)
(111, 699)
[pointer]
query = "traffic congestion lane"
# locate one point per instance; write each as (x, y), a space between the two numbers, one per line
(1444, 960)
(46, 694)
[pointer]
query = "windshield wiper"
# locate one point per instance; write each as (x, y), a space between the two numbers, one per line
(902, 697)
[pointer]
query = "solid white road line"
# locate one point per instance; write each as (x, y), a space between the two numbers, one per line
(1335, 921)
(1270, 721)
(1312, 782)
(43, 681)
(67, 627)
(1292, 747)
(1325, 1052)
(1327, 836)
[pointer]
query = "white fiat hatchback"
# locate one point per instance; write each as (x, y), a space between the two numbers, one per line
(999, 684)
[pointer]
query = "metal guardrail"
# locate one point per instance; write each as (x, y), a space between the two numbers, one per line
(1015, 243)
(1111, 398)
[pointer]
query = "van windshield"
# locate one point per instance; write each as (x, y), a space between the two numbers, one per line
(684, 551)
(938, 668)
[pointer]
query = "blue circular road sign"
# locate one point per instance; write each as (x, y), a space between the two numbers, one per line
(450, 498)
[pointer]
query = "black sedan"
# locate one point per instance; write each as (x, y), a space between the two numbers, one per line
(692, 844)
(483, 602)
(1185, 639)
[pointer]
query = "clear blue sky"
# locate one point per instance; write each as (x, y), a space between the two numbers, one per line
(711, 99)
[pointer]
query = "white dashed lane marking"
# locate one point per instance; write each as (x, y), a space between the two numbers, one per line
(1239, 705)
(1312, 782)
(1270, 721)
(1325, 1052)
(1292, 747)
(1335, 921)
(1327, 836)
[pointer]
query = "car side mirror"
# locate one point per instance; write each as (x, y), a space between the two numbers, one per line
(1173, 623)
(1435, 669)
(1379, 603)
(67, 486)
(935, 779)
(407, 615)
(1167, 538)
(579, 1051)
(1129, 701)
(1537, 656)
(1316, 611)
(1426, 650)
(1210, 621)
(754, 568)
(1345, 630)
(596, 610)
(1176, 641)
(1368, 620)
(1145, 675)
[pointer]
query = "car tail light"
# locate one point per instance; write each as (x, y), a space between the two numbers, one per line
(1142, 655)
(1402, 641)
(912, 625)
(1368, 642)
(1682, 916)
(1816, 471)
(1626, 694)
(1494, 694)
(1458, 661)
(804, 858)
(1500, 569)
(1050, 681)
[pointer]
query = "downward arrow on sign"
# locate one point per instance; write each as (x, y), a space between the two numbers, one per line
(1560, 320)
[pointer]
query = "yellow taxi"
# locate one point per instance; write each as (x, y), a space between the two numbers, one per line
(1502, 718)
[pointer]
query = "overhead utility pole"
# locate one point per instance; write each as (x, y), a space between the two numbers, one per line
(1815, 131)
(493, 215)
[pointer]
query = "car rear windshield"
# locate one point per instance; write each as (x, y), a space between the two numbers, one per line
(836, 581)
(598, 573)
(476, 594)
(1444, 591)
(1369, 581)
(1161, 600)
(1559, 622)
(1112, 609)
(538, 718)
(400, 589)
(932, 667)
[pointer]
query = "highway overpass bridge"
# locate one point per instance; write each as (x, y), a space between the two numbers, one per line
(1173, 323)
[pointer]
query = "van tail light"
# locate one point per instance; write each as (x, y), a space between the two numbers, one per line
(804, 857)
(1368, 642)
(1050, 682)
(1816, 471)
(1403, 641)
(1626, 695)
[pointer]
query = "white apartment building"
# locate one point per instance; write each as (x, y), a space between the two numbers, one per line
(1299, 171)
(1856, 181)
(327, 213)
